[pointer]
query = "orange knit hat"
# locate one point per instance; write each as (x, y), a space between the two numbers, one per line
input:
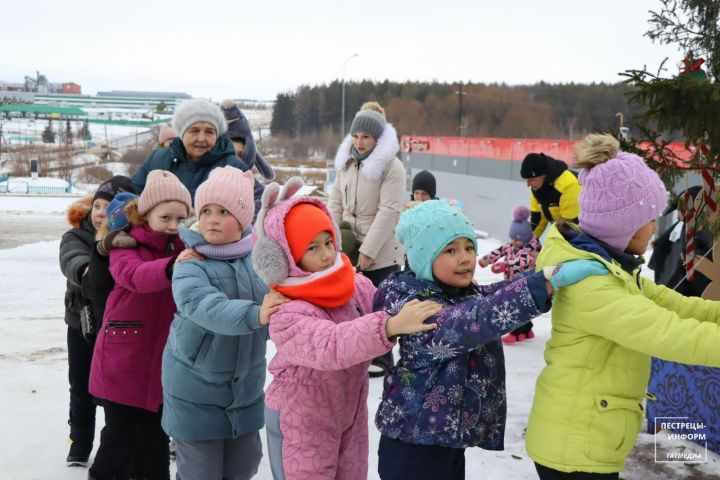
(302, 223)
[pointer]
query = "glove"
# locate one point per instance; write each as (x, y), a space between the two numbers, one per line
(572, 272)
(498, 267)
(115, 239)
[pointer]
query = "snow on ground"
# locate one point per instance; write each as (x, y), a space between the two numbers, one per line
(34, 390)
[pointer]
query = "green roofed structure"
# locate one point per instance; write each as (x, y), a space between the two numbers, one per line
(44, 110)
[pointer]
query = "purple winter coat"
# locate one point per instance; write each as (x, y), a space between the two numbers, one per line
(128, 351)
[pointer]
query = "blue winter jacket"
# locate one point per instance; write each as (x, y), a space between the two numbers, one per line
(213, 370)
(448, 388)
(174, 159)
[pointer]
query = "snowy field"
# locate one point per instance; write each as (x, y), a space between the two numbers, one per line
(33, 361)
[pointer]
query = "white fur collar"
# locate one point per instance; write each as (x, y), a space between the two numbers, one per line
(373, 166)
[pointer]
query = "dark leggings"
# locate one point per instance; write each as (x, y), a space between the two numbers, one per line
(82, 404)
(398, 460)
(545, 473)
(129, 430)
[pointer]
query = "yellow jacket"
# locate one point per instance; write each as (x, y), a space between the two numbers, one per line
(588, 408)
(559, 199)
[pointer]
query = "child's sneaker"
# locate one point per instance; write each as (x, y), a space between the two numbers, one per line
(521, 337)
(509, 339)
(530, 335)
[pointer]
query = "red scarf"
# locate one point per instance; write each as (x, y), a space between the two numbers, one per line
(329, 289)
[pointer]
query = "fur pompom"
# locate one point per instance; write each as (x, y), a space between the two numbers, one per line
(521, 213)
(595, 149)
(269, 260)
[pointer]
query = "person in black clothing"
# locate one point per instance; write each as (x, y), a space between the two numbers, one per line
(554, 191)
(76, 245)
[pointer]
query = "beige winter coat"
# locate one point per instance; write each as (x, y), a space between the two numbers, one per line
(369, 196)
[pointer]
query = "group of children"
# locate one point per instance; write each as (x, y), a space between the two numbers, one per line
(181, 350)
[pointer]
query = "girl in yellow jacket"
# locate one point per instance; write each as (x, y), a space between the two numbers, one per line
(588, 403)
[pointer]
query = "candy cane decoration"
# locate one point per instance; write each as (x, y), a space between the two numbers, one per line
(687, 215)
(709, 192)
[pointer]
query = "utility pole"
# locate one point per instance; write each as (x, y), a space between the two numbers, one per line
(342, 95)
(460, 94)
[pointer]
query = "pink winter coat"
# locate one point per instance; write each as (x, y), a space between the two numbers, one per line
(320, 384)
(128, 350)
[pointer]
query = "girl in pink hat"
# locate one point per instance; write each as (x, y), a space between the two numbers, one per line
(125, 372)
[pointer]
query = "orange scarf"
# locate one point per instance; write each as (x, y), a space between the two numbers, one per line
(329, 289)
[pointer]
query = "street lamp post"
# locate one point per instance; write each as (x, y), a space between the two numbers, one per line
(342, 101)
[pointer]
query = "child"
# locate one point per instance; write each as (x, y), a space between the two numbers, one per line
(125, 371)
(447, 391)
(213, 370)
(98, 282)
(316, 412)
(85, 217)
(519, 254)
(588, 409)
(423, 187)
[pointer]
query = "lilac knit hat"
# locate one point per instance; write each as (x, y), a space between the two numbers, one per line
(231, 188)
(619, 197)
(520, 228)
(162, 186)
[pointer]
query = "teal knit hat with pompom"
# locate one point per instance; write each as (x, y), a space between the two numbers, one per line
(426, 228)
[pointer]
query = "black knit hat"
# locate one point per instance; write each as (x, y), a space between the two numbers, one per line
(424, 181)
(109, 188)
(534, 165)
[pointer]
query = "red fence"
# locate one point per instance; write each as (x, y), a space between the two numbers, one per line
(513, 149)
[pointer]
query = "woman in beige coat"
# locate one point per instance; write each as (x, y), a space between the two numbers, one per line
(368, 193)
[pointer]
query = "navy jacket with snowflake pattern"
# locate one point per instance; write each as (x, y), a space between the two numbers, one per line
(448, 388)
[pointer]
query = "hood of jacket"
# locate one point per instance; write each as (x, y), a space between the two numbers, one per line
(374, 165)
(273, 227)
(79, 211)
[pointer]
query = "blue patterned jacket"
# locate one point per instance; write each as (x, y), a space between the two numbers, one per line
(448, 388)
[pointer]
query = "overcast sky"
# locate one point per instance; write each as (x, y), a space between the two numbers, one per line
(240, 49)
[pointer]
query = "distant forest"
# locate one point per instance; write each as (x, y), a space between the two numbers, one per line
(543, 110)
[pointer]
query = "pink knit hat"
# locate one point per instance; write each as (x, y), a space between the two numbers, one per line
(162, 186)
(166, 133)
(231, 188)
(619, 197)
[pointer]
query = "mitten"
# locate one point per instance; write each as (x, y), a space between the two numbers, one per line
(498, 267)
(115, 239)
(483, 262)
(572, 272)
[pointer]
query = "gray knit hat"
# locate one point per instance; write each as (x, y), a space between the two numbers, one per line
(198, 110)
(368, 121)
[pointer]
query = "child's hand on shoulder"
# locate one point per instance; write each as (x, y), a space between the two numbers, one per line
(272, 301)
(188, 254)
(411, 318)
